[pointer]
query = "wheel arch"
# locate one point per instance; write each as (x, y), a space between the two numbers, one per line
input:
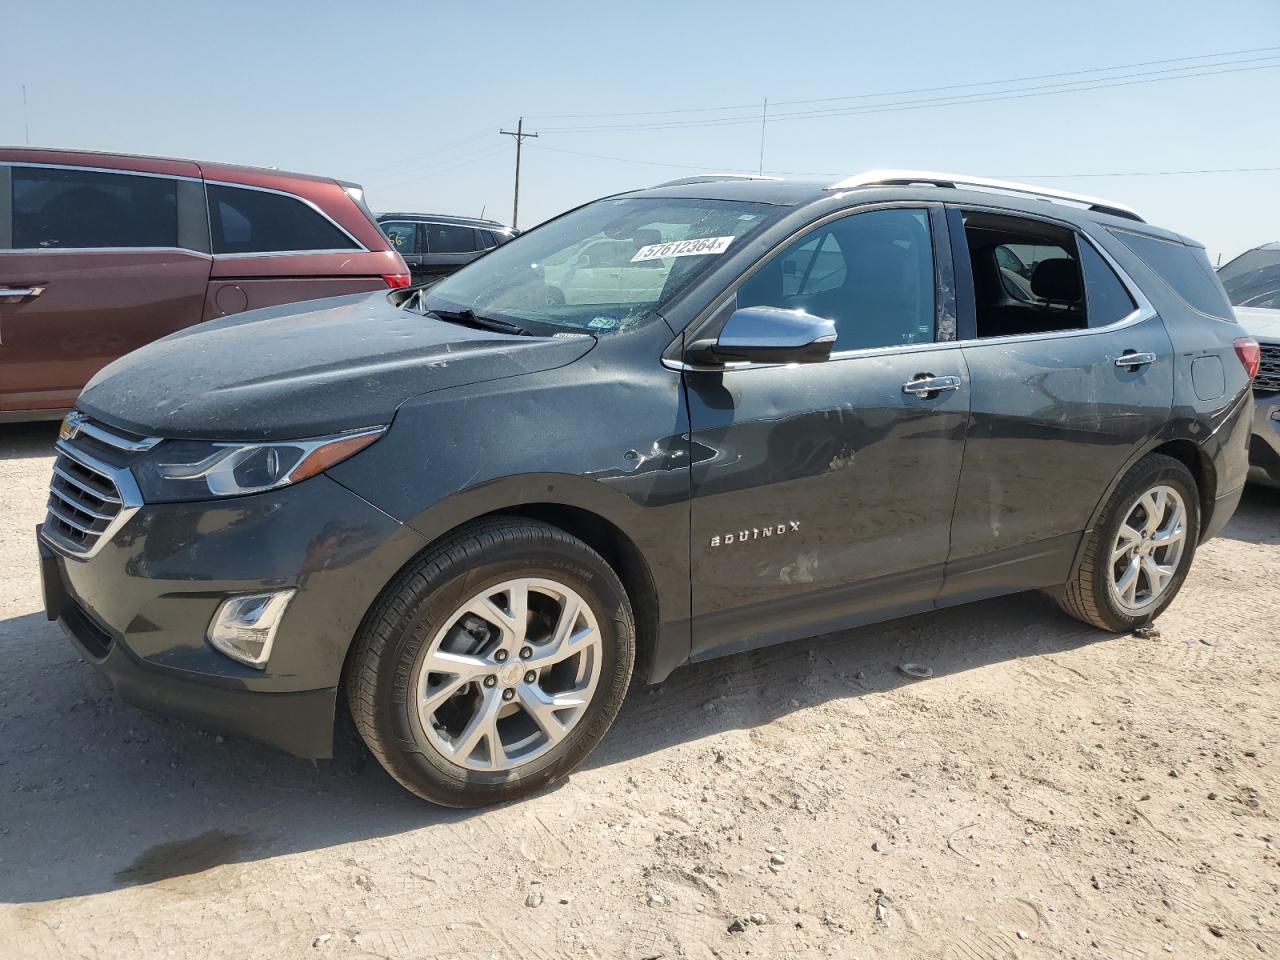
(1173, 442)
(601, 524)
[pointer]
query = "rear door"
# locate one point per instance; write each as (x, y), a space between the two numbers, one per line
(93, 263)
(1057, 410)
(823, 492)
(449, 247)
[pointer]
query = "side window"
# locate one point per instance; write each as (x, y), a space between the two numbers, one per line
(1184, 268)
(243, 220)
(61, 208)
(1026, 275)
(1105, 296)
(871, 273)
(403, 236)
(450, 238)
(487, 240)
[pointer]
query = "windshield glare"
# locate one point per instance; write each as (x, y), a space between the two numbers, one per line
(603, 267)
(1253, 279)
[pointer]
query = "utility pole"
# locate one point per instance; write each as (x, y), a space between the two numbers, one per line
(764, 116)
(26, 124)
(520, 136)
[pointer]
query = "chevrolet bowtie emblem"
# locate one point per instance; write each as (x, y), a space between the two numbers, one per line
(71, 424)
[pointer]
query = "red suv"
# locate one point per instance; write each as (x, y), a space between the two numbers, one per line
(101, 253)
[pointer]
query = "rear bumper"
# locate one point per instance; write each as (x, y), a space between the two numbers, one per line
(1264, 445)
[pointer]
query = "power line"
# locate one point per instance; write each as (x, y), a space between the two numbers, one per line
(1008, 176)
(906, 92)
(433, 152)
(1078, 86)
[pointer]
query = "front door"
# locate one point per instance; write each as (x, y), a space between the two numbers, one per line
(94, 265)
(822, 493)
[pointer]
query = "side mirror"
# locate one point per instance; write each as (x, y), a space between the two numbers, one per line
(768, 335)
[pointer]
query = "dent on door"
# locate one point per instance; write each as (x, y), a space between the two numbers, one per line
(828, 497)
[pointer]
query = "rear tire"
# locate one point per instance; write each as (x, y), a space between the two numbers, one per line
(532, 640)
(1134, 561)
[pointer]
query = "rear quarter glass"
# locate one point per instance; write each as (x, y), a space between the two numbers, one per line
(1185, 269)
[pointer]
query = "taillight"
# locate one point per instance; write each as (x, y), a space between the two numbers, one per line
(1250, 355)
(397, 280)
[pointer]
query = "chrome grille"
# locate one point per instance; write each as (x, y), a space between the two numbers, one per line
(1268, 378)
(89, 498)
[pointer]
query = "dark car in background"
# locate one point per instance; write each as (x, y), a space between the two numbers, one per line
(435, 245)
(1252, 282)
(666, 426)
(101, 253)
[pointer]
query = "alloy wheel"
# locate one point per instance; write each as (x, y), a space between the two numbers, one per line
(1147, 548)
(509, 675)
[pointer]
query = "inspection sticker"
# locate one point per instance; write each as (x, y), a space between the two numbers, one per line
(682, 248)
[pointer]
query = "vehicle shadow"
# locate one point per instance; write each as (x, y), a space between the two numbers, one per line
(23, 441)
(100, 796)
(1257, 519)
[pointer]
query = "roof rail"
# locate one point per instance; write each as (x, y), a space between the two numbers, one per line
(711, 178)
(879, 178)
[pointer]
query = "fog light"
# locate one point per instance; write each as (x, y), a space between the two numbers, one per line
(245, 626)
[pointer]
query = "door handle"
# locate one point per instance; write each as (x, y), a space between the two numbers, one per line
(925, 385)
(16, 294)
(1134, 360)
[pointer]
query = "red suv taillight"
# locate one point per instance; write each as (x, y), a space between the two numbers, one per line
(1250, 355)
(397, 280)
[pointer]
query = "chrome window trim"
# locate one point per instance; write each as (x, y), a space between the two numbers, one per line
(130, 497)
(360, 247)
(195, 253)
(1142, 312)
(88, 169)
(281, 253)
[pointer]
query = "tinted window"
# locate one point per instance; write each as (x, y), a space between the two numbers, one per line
(487, 239)
(1106, 298)
(871, 273)
(1184, 268)
(57, 208)
(254, 221)
(450, 238)
(402, 235)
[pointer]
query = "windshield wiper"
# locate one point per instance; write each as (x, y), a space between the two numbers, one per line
(469, 318)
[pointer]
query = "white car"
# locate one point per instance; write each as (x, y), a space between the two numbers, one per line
(1252, 281)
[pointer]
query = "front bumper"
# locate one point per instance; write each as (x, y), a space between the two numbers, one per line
(1264, 445)
(140, 607)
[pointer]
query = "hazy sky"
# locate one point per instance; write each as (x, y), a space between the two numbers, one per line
(408, 98)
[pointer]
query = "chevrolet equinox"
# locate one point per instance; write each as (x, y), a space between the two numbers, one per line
(662, 427)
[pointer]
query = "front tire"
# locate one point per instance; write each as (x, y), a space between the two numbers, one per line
(493, 664)
(1136, 558)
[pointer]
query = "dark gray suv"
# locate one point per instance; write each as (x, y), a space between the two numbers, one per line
(435, 245)
(665, 426)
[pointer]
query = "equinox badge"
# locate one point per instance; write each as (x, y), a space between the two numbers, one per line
(756, 533)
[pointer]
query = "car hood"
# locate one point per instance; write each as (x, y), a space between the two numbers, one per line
(1259, 322)
(306, 370)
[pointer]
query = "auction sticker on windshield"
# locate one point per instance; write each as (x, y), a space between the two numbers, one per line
(682, 248)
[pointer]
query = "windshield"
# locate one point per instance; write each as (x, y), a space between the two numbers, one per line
(1253, 279)
(603, 267)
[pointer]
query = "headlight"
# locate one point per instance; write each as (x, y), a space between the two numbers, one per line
(201, 469)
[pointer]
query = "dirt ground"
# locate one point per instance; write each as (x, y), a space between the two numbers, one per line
(1052, 791)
